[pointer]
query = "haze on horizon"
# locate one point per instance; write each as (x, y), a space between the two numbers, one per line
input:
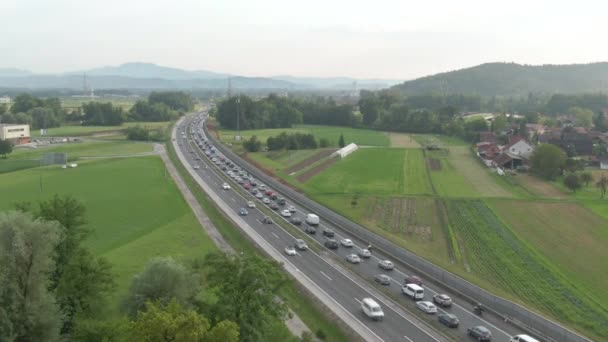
(389, 39)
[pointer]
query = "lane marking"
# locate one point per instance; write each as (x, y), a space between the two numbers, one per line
(407, 338)
(326, 276)
(358, 301)
(275, 235)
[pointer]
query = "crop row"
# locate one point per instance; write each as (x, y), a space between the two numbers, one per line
(498, 256)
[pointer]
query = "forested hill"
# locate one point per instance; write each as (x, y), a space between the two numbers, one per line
(510, 79)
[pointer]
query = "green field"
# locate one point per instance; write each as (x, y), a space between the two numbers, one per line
(363, 137)
(281, 160)
(448, 181)
(85, 149)
(120, 195)
(439, 139)
(125, 102)
(76, 130)
(498, 256)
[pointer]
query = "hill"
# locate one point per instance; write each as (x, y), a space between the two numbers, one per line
(510, 79)
(150, 70)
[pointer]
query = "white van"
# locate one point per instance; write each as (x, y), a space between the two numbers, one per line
(523, 338)
(372, 309)
(413, 291)
(312, 219)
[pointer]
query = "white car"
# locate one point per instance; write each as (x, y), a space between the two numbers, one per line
(364, 253)
(290, 250)
(225, 186)
(196, 167)
(347, 242)
(266, 200)
(386, 265)
(353, 259)
(427, 307)
(250, 204)
(291, 209)
(262, 187)
(285, 213)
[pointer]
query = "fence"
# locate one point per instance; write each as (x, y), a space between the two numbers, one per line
(509, 310)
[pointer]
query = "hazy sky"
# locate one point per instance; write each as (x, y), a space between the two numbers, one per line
(368, 39)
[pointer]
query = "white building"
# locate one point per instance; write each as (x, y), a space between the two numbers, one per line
(346, 150)
(16, 134)
(5, 100)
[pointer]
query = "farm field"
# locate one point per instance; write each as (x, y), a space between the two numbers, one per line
(500, 259)
(284, 160)
(77, 130)
(447, 180)
(478, 176)
(539, 187)
(85, 149)
(364, 137)
(131, 189)
(554, 227)
(402, 140)
(125, 102)
(438, 139)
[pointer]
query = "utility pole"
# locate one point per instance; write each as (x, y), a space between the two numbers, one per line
(238, 118)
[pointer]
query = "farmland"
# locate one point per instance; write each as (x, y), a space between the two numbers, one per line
(125, 102)
(498, 256)
(447, 180)
(119, 195)
(78, 130)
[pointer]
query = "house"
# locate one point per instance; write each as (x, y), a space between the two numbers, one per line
(16, 134)
(5, 100)
(515, 154)
(534, 130)
(582, 142)
(487, 137)
(487, 150)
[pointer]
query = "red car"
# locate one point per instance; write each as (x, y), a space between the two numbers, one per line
(247, 186)
(412, 279)
(268, 192)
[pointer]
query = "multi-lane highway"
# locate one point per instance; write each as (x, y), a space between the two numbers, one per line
(345, 288)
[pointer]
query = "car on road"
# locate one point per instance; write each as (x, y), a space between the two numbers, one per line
(301, 245)
(290, 250)
(331, 244)
(247, 186)
(252, 181)
(523, 338)
(296, 221)
(274, 206)
(328, 232)
(291, 209)
(310, 230)
(273, 197)
(386, 265)
(225, 186)
(364, 253)
(243, 212)
(382, 279)
(266, 200)
(254, 191)
(269, 193)
(412, 279)
(347, 243)
(285, 213)
(259, 195)
(353, 259)
(196, 167)
(267, 220)
(224, 168)
(250, 204)
(442, 300)
(427, 307)
(281, 201)
(480, 333)
(372, 309)
(240, 180)
(449, 320)
(262, 187)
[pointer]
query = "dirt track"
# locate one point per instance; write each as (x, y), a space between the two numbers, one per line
(310, 160)
(316, 170)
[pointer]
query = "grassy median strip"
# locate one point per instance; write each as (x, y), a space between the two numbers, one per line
(315, 318)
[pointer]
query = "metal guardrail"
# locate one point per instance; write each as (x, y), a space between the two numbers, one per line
(507, 309)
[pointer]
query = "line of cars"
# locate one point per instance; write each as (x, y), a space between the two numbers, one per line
(412, 286)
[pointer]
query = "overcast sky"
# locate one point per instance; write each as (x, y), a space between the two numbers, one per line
(398, 39)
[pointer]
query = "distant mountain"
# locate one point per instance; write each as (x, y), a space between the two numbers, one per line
(12, 72)
(150, 70)
(510, 79)
(337, 82)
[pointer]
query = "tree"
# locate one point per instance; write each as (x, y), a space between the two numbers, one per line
(114, 330)
(138, 133)
(245, 288)
(5, 148)
(572, 182)
(28, 311)
(500, 123)
(586, 178)
(602, 185)
(599, 121)
(323, 142)
(341, 141)
(162, 279)
(548, 161)
(252, 144)
(25, 102)
(176, 100)
(369, 106)
(584, 117)
(168, 322)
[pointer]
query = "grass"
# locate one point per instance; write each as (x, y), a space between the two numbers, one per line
(439, 139)
(125, 102)
(448, 181)
(475, 174)
(120, 195)
(78, 130)
(296, 299)
(84, 149)
(498, 256)
(364, 137)
(415, 178)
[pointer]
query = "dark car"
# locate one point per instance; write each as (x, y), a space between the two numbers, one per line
(310, 230)
(382, 279)
(224, 168)
(267, 220)
(328, 232)
(254, 191)
(449, 320)
(243, 212)
(331, 244)
(274, 197)
(296, 221)
(480, 333)
(442, 300)
(274, 206)
(412, 279)
(281, 201)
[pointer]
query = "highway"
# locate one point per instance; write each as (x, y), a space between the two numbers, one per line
(346, 289)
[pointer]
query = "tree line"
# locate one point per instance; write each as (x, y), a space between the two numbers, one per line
(54, 288)
(36, 112)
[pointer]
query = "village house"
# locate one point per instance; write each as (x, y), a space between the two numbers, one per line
(511, 156)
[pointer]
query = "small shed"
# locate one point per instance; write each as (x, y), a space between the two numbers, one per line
(346, 150)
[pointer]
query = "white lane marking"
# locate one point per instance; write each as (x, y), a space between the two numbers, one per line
(358, 301)
(233, 200)
(407, 338)
(326, 276)
(275, 235)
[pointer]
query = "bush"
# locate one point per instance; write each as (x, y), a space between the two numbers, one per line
(138, 133)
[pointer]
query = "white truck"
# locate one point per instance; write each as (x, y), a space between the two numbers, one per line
(312, 219)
